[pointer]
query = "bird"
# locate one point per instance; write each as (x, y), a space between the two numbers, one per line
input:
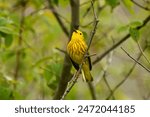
(76, 50)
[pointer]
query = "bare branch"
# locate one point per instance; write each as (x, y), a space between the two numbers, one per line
(88, 9)
(92, 90)
(90, 55)
(145, 8)
(126, 77)
(105, 73)
(20, 38)
(136, 60)
(63, 51)
(100, 57)
(58, 18)
(143, 53)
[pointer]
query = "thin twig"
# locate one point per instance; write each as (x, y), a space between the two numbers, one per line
(145, 8)
(88, 9)
(76, 75)
(90, 55)
(143, 53)
(105, 73)
(100, 57)
(83, 26)
(126, 77)
(84, 3)
(35, 12)
(58, 18)
(136, 60)
(63, 51)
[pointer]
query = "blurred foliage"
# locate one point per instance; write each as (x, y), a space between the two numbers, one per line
(28, 27)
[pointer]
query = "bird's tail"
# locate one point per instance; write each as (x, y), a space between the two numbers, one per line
(86, 73)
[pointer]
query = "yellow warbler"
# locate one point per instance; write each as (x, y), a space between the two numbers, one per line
(76, 49)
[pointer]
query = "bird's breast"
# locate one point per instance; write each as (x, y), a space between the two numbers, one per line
(76, 50)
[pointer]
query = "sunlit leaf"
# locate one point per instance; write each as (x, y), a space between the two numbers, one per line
(6, 30)
(128, 4)
(135, 24)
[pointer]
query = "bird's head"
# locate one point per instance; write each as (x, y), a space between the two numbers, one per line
(77, 34)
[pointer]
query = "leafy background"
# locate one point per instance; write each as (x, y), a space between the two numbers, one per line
(31, 64)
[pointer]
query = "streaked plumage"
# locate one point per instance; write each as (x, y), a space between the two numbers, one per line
(76, 49)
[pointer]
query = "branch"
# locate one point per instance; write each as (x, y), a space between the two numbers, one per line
(119, 42)
(76, 75)
(90, 55)
(66, 75)
(143, 53)
(145, 8)
(92, 90)
(63, 51)
(126, 77)
(20, 38)
(57, 17)
(136, 60)
(105, 73)
(88, 9)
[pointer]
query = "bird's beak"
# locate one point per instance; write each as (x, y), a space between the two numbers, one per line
(74, 30)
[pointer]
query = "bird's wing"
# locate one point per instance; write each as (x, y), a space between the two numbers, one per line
(75, 64)
(90, 64)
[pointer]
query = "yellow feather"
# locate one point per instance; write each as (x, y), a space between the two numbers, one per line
(76, 49)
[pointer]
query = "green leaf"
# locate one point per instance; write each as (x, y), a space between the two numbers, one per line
(8, 40)
(5, 90)
(4, 93)
(56, 2)
(128, 4)
(64, 3)
(50, 77)
(2, 21)
(18, 96)
(112, 3)
(135, 24)
(85, 35)
(37, 3)
(6, 30)
(134, 33)
(52, 85)
(51, 74)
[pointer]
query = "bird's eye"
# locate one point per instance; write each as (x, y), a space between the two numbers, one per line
(80, 33)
